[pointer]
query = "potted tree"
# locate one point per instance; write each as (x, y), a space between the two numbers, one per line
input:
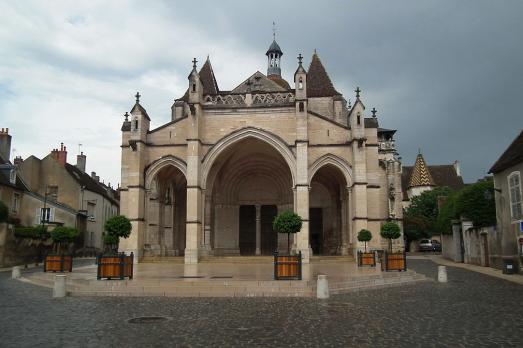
(287, 266)
(112, 264)
(60, 259)
(393, 261)
(365, 258)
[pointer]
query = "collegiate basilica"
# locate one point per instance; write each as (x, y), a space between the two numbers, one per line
(210, 181)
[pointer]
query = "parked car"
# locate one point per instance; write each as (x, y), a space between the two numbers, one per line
(425, 245)
(436, 245)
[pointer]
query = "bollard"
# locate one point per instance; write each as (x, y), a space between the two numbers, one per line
(442, 274)
(16, 272)
(322, 287)
(59, 285)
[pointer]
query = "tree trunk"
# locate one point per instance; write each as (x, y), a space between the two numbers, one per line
(288, 243)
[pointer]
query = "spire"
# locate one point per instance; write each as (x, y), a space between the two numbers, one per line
(318, 82)
(420, 174)
(137, 108)
(210, 86)
(274, 54)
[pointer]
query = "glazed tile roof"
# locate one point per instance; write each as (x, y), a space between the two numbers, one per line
(420, 174)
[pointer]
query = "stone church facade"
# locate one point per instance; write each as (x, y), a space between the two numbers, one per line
(211, 181)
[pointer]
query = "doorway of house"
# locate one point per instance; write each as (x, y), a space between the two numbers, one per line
(316, 230)
(247, 238)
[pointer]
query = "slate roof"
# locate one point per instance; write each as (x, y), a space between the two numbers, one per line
(420, 174)
(443, 175)
(274, 47)
(371, 122)
(210, 86)
(280, 81)
(319, 83)
(86, 180)
(512, 155)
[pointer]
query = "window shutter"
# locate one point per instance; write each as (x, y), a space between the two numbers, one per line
(37, 216)
(51, 215)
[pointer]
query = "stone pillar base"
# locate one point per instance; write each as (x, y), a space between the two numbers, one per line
(344, 250)
(191, 256)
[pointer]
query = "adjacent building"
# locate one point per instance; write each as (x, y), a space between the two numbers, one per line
(211, 181)
(507, 239)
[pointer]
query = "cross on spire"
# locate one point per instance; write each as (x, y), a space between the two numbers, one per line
(126, 116)
(374, 112)
(194, 61)
(300, 57)
(137, 96)
(357, 90)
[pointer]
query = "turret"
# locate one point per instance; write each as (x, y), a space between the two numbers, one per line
(140, 121)
(195, 86)
(300, 81)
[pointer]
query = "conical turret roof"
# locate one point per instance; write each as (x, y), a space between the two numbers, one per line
(274, 47)
(319, 83)
(420, 174)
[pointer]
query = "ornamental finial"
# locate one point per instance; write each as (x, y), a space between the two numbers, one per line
(137, 96)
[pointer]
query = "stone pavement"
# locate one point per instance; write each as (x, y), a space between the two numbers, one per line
(471, 310)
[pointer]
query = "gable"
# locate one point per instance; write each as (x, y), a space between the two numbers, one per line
(258, 83)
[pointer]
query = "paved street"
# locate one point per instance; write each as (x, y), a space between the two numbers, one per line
(472, 310)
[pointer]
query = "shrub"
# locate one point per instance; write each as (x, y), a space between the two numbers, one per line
(474, 203)
(287, 222)
(364, 236)
(116, 227)
(62, 236)
(390, 230)
(446, 214)
(37, 232)
(4, 212)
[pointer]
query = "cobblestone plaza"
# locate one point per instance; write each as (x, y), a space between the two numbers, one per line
(471, 310)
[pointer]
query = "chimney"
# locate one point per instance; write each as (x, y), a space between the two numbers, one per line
(80, 161)
(18, 160)
(457, 168)
(95, 177)
(5, 144)
(60, 155)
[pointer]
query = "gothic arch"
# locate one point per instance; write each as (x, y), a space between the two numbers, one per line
(250, 132)
(335, 161)
(161, 163)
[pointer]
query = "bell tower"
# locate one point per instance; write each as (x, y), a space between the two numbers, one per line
(274, 54)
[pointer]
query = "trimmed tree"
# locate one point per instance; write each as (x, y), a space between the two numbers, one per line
(116, 227)
(62, 236)
(287, 222)
(364, 236)
(390, 230)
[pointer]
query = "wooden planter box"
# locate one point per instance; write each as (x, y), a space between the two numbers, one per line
(58, 263)
(366, 259)
(287, 267)
(116, 266)
(394, 262)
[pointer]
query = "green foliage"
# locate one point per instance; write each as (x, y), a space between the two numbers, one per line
(287, 222)
(110, 239)
(364, 235)
(446, 214)
(474, 204)
(118, 226)
(4, 212)
(390, 230)
(37, 232)
(421, 216)
(64, 235)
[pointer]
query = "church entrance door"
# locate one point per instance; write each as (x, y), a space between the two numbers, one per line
(247, 237)
(269, 238)
(316, 230)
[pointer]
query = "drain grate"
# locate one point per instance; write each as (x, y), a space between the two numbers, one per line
(148, 320)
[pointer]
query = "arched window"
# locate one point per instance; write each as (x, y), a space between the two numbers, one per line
(194, 87)
(514, 187)
(301, 106)
(135, 124)
(300, 83)
(358, 118)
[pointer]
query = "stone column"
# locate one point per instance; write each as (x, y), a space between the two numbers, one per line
(344, 247)
(258, 229)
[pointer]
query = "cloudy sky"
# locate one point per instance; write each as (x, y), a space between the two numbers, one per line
(447, 74)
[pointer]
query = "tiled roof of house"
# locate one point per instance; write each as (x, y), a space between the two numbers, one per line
(443, 175)
(88, 182)
(318, 82)
(512, 155)
(420, 174)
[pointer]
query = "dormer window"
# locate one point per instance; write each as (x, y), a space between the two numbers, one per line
(12, 176)
(300, 83)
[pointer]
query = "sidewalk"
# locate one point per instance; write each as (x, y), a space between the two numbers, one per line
(515, 278)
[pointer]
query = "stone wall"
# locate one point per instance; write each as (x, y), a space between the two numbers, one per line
(15, 251)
